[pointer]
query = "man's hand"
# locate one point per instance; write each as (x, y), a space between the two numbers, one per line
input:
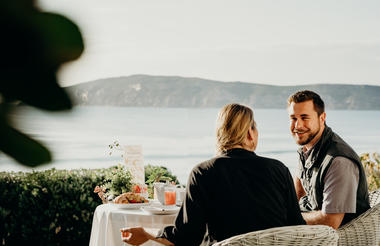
(299, 188)
(320, 218)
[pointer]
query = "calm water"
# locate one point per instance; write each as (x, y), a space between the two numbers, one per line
(177, 138)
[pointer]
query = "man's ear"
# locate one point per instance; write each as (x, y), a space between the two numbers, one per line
(322, 117)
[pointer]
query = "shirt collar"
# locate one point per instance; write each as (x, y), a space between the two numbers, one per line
(238, 151)
(307, 153)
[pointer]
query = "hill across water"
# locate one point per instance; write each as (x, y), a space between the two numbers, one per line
(175, 91)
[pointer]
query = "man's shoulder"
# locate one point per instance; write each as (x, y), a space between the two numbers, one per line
(342, 164)
(342, 168)
(339, 144)
(339, 147)
(342, 160)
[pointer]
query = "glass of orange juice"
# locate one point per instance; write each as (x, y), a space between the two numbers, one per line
(170, 195)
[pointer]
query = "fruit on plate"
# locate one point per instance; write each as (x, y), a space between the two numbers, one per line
(130, 197)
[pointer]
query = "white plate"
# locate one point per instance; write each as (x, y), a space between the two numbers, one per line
(161, 209)
(130, 205)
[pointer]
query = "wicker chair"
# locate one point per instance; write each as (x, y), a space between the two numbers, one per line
(374, 197)
(288, 235)
(365, 229)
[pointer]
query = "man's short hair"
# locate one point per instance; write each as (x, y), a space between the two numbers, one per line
(303, 96)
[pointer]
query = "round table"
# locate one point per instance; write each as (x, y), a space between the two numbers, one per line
(109, 219)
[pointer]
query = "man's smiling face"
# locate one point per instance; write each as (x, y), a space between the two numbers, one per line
(306, 126)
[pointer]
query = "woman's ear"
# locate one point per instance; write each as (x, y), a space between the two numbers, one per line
(250, 134)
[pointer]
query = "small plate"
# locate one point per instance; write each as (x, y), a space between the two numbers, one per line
(130, 205)
(161, 209)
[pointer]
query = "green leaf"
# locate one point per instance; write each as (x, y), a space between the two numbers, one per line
(34, 45)
(61, 37)
(22, 148)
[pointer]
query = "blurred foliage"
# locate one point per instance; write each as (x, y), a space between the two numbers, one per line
(371, 163)
(34, 45)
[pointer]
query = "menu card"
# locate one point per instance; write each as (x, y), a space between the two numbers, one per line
(133, 159)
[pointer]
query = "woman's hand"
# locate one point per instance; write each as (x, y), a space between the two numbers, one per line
(138, 236)
(135, 236)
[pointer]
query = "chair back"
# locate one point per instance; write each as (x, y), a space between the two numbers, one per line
(310, 235)
(374, 197)
(363, 230)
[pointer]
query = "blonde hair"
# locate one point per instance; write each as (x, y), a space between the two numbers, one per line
(232, 127)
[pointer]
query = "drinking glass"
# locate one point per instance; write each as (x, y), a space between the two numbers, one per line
(181, 192)
(170, 195)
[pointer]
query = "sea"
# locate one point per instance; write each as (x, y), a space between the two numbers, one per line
(177, 138)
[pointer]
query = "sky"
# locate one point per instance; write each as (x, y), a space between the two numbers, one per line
(289, 42)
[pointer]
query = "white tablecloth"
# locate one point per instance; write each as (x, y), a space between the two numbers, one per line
(108, 220)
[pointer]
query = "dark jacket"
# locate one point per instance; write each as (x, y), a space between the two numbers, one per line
(234, 193)
(314, 170)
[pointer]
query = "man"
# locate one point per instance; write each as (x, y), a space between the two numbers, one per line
(331, 184)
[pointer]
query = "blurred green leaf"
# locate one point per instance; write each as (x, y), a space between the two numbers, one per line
(61, 37)
(34, 45)
(22, 148)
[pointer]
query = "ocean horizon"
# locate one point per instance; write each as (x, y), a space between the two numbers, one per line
(177, 138)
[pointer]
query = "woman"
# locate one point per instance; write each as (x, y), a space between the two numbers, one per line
(234, 193)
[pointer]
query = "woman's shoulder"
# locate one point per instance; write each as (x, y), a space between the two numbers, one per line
(222, 161)
(205, 165)
(210, 164)
(270, 160)
(272, 163)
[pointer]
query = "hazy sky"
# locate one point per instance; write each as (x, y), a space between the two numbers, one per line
(273, 42)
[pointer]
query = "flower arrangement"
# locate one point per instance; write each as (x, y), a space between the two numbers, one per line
(100, 190)
(119, 179)
(116, 182)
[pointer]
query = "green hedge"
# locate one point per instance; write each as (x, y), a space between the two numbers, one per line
(55, 207)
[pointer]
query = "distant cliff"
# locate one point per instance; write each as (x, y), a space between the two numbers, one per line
(173, 91)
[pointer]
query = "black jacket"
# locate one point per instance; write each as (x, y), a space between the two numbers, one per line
(234, 193)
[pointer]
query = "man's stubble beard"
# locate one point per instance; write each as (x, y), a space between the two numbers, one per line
(310, 137)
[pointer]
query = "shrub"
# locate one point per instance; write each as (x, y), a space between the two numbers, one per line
(157, 174)
(371, 165)
(56, 207)
(53, 207)
(117, 180)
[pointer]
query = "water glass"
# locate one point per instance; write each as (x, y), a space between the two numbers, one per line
(181, 192)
